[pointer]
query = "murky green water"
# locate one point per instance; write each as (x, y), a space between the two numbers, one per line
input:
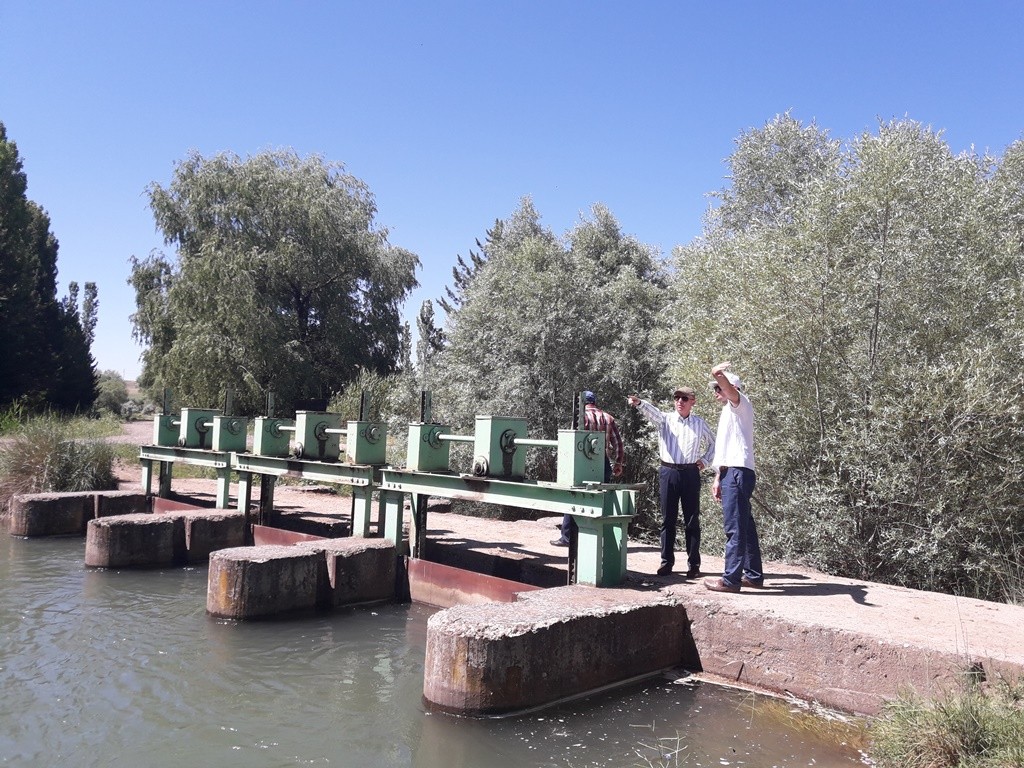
(124, 668)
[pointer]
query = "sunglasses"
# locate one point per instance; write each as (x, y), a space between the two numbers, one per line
(684, 398)
(717, 388)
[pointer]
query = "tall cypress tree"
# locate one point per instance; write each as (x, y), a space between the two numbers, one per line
(44, 351)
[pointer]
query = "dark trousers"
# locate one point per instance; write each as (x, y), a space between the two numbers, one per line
(680, 487)
(568, 522)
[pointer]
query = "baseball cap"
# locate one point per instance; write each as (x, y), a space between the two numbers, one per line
(733, 379)
(684, 391)
(588, 397)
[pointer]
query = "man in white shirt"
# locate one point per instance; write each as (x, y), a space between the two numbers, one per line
(686, 445)
(734, 484)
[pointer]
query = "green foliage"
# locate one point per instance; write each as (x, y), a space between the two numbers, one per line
(45, 350)
(974, 726)
(543, 318)
(872, 309)
(47, 456)
(113, 393)
(392, 399)
(283, 283)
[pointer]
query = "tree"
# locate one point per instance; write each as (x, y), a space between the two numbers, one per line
(545, 318)
(45, 352)
(873, 316)
(464, 271)
(431, 341)
(113, 392)
(283, 282)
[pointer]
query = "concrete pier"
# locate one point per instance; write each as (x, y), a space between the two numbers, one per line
(161, 540)
(68, 514)
(354, 570)
(255, 582)
(135, 541)
(496, 658)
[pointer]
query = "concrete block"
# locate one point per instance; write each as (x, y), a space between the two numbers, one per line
(134, 541)
(496, 658)
(354, 570)
(315, 525)
(253, 582)
(51, 514)
(110, 503)
(207, 531)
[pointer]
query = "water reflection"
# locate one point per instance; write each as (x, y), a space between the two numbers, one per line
(107, 668)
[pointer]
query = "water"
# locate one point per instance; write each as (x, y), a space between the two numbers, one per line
(124, 668)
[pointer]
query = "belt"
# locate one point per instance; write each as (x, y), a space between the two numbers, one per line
(670, 465)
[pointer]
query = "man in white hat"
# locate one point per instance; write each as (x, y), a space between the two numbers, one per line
(734, 484)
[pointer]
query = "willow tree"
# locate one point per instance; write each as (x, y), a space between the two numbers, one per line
(873, 314)
(281, 281)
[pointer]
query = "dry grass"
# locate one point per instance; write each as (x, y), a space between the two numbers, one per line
(48, 455)
(978, 726)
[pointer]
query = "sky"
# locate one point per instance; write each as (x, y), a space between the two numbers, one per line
(453, 111)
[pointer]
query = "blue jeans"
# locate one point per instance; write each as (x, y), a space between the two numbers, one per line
(742, 549)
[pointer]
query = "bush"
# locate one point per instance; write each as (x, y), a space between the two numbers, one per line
(44, 457)
(112, 393)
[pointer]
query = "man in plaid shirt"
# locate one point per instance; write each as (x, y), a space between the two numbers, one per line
(597, 420)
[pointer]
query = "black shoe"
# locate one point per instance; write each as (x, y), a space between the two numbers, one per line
(693, 573)
(665, 570)
(559, 543)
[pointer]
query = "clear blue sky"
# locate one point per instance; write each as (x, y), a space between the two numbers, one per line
(453, 111)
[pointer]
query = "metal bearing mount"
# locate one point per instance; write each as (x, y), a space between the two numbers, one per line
(432, 437)
(481, 467)
(507, 441)
(371, 433)
(587, 446)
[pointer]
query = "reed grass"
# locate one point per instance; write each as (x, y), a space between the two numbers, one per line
(48, 455)
(977, 725)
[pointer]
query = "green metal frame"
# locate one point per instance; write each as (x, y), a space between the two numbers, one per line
(165, 457)
(363, 478)
(602, 513)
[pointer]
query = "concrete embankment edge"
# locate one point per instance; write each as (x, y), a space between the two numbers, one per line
(845, 670)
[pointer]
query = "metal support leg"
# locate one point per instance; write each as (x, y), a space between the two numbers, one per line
(392, 519)
(361, 499)
(602, 551)
(266, 499)
(166, 471)
(224, 488)
(245, 502)
(147, 475)
(418, 530)
(244, 492)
